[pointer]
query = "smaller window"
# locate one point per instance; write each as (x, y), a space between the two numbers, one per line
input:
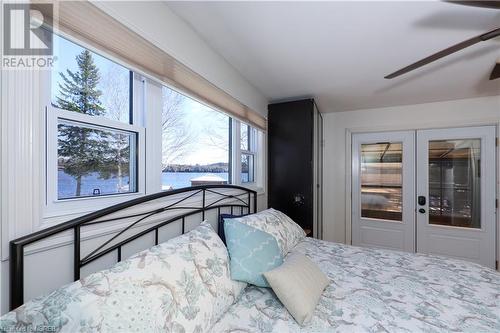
(247, 168)
(94, 161)
(248, 152)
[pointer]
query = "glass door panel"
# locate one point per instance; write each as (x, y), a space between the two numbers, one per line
(381, 181)
(454, 183)
(456, 193)
(383, 190)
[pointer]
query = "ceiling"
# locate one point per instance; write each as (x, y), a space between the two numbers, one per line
(339, 52)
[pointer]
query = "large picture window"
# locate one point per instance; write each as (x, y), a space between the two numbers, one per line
(195, 143)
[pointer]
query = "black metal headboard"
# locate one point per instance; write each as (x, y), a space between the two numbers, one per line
(211, 197)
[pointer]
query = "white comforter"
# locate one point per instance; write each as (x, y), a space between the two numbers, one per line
(380, 291)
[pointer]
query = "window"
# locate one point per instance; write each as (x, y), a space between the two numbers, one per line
(103, 163)
(382, 181)
(96, 120)
(195, 143)
(454, 183)
(248, 151)
(92, 142)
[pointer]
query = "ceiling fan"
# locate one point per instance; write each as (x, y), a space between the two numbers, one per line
(495, 74)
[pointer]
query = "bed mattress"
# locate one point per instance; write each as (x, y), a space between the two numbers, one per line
(371, 290)
(376, 290)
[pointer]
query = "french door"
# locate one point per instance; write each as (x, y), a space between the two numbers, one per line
(384, 187)
(428, 191)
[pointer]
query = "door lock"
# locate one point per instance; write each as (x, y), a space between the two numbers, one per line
(421, 200)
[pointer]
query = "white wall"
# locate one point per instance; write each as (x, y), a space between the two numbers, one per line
(2, 194)
(157, 23)
(337, 128)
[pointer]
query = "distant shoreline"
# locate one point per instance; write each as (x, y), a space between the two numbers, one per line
(194, 171)
(206, 168)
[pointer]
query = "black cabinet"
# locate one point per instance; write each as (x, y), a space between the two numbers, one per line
(294, 162)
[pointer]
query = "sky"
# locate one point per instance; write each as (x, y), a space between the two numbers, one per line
(198, 116)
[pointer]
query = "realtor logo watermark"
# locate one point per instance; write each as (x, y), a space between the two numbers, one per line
(27, 43)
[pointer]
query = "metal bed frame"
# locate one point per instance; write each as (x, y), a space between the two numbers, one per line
(244, 202)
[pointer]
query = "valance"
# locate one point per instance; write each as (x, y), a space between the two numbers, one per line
(84, 21)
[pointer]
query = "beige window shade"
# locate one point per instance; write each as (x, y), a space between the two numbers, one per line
(88, 23)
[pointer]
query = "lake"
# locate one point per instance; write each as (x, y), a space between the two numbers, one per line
(183, 179)
(93, 185)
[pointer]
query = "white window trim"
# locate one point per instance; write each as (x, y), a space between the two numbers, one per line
(235, 152)
(54, 206)
(260, 162)
(152, 115)
(54, 210)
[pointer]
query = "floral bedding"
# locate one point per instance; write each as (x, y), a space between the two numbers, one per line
(183, 285)
(375, 290)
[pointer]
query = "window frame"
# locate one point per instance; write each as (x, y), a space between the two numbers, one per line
(56, 206)
(258, 150)
(52, 205)
(250, 151)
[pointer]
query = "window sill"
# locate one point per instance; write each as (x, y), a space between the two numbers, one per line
(252, 186)
(70, 207)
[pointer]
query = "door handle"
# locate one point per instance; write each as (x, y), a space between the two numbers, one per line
(421, 200)
(421, 211)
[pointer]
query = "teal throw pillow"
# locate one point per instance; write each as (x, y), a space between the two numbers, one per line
(251, 252)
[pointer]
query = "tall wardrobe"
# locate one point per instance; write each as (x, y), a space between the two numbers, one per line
(295, 174)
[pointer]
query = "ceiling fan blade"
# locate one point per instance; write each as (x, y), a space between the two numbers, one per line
(484, 4)
(452, 49)
(495, 73)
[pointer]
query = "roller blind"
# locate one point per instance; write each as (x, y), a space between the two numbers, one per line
(86, 22)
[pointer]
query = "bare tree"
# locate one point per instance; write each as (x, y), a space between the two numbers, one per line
(116, 99)
(177, 138)
(244, 136)
(217, 131)
(116, 103)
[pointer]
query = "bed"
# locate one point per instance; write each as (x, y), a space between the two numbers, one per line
(375, 290)
(370, 290)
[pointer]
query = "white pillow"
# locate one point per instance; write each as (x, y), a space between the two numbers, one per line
(284, 229)
(298, 283)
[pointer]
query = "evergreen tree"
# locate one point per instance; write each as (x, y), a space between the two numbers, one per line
(82, 150)
(78, 91)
